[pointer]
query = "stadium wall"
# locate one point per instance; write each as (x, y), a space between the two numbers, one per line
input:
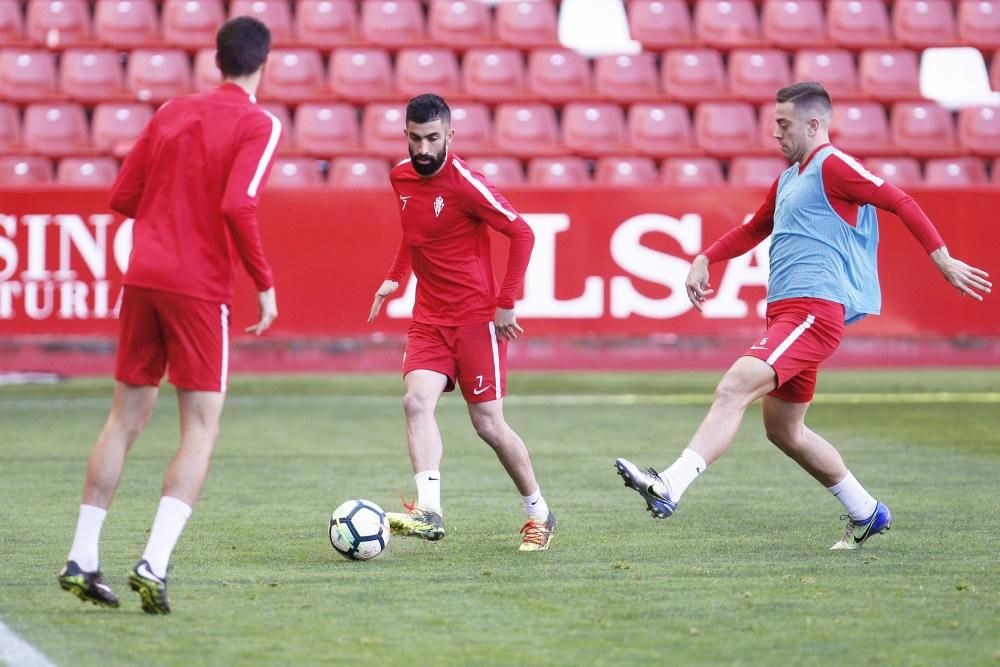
(604, 289)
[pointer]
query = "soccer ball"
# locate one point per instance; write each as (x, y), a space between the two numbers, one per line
(359, 530)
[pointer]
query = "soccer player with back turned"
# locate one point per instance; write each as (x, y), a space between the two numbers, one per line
(820, 215)
(461, 321)
(192, 182)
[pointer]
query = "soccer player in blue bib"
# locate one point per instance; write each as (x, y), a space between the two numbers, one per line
(820, 215)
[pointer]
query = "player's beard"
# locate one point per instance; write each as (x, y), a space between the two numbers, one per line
(433, 163)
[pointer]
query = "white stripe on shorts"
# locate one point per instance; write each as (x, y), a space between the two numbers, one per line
(496, 360)
(792, 337)
(225, 347)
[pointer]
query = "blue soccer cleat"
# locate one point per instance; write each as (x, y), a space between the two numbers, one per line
(859, 531)
(653, 489)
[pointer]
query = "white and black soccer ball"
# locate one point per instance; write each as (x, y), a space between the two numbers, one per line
(359, 530)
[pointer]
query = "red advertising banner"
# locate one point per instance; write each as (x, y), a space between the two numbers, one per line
(607, 261)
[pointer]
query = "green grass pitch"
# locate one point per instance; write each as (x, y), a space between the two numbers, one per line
(741, 575)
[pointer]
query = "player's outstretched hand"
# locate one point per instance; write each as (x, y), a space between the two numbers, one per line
(384, 290)
(268, 306)
(506, 324)
(698, 287)
(968, 279)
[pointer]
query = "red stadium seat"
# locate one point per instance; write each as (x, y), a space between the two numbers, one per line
(995, 171)
(192, 24)
(324, 129)
(858, 23)
(359, 172)
(726, 128)
(17, 171)
(995, 71)
(921, 24)
(861, 128)
(834, 68)
(116, 126)
(955, 172)
(361, 74)
(593, 129)
(726, 23)
(558, 74)
(56, 129)
(500, 171)
(794, 24)
(27, 74)
(460, 23)
(900, 171)
(527, 130)
(156, 75)
(527, 23)
(57, 23)
(693, 75)
(691, 172)
(890, 74)
(568, 171)
(660, 24)
(757, 74)
(626, 78)
(91, 75)
(275, 14)
(126, 24)
(424, 70)
(614, 170)
(326, 24)
(756, 171)
(979, 23)
(923, 129)
(979, 130)
(473, 128)
(11, 22)
(293, 75)
(660, 129)
(494, 75)
(206, 72)
(10, 128)
(86, 171)
(392, 22)
(295, 172)
(382, 130)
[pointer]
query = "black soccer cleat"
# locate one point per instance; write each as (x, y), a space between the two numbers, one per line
(88, 586)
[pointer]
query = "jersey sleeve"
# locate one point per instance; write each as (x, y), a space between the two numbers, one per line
(745, 237)
(845, 178)
(126, 192)
(400, 268)
(247, 175)
(483, 202)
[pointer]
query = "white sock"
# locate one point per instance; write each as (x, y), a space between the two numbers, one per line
(684, 471)
(429, 490)
(535, 505)
(88, 534)
(167, 528)
(856, 500)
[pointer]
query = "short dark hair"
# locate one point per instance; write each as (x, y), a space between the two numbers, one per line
(807, 95)
(426, 108)
(241, 46)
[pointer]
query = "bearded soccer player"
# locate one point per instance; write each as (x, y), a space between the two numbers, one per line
(820, 215)
(192, 182)
(461, 321)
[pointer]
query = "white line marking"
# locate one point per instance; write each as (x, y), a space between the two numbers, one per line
(308, 400)
(16, 652)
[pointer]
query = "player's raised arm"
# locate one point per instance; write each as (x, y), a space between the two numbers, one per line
(848, 180)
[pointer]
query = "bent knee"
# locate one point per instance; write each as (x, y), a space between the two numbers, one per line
(415, 404)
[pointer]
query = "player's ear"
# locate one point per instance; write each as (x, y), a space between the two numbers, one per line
(451, 134)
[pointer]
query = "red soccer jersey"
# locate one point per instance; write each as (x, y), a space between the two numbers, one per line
(192, 182)
(447, 243)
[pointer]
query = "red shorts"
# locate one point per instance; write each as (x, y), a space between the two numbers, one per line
(470, 355)
(164, 330)
(801, 334)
